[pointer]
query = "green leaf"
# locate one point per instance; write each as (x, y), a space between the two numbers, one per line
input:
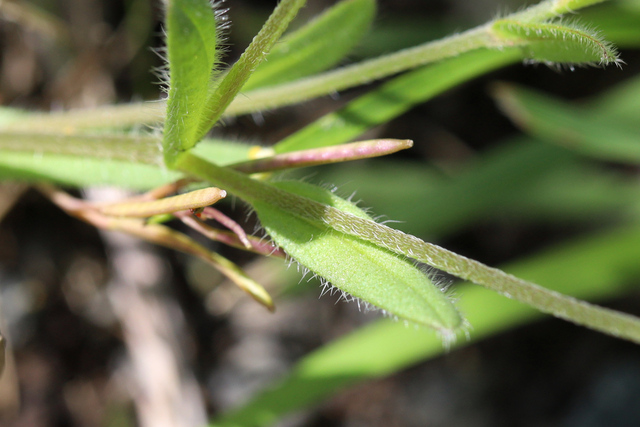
(191, 54)
(554, 121)
(434, 206)
(81, 171)
(75, 121)
(361, 269)
(618, 20)
(620, 104)
(317, 46)
(132, 162)
(394, 98)
(220, 94)
(557, 42)
(298, 208)
(596, 267)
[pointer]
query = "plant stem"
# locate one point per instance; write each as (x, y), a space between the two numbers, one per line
(74, 121)
(311, 87)
(582, 313)
(361, 73)
(383, 66)
(132, 148)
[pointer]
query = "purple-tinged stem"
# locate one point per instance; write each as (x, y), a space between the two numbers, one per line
(212, 213)
(324, 155)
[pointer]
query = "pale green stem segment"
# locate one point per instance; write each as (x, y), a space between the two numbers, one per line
(143, 209)
(601, 319)
(132, 148)
(76, 121)
(311, 87)
(361, 73)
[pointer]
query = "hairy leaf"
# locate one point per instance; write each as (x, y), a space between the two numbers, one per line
(557, 42)
(191, 54)
(317, 46)
(220, 94)
(359, 268)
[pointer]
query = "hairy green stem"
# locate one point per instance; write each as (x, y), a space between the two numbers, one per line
(304, 89)
(377, 68)
(562, 306)
(79, 120)
(140, 149)
(361, 73)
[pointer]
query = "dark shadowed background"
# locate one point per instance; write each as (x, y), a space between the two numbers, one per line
(104, 330)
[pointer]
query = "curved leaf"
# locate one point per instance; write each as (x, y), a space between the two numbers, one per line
(557, 42)
(359, 268)
(317, 46)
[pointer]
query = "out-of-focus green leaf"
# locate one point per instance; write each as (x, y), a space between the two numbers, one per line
(618, 20)
(394, 32)
(394, 98)
(546, 182)
(555, 121)
(618, 105)
(596, 267)
(317, 46)
(435, 206)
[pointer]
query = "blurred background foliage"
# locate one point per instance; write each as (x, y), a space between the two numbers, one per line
(542, 180)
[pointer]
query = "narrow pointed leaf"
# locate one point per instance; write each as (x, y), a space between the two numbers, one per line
(394, 98)
(324, 155)
(317, 46)
(79, 171)
(221, 94)
(557, 122)
(362, 269)
(191, 54)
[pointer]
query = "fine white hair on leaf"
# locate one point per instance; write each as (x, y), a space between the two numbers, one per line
(439, 278)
